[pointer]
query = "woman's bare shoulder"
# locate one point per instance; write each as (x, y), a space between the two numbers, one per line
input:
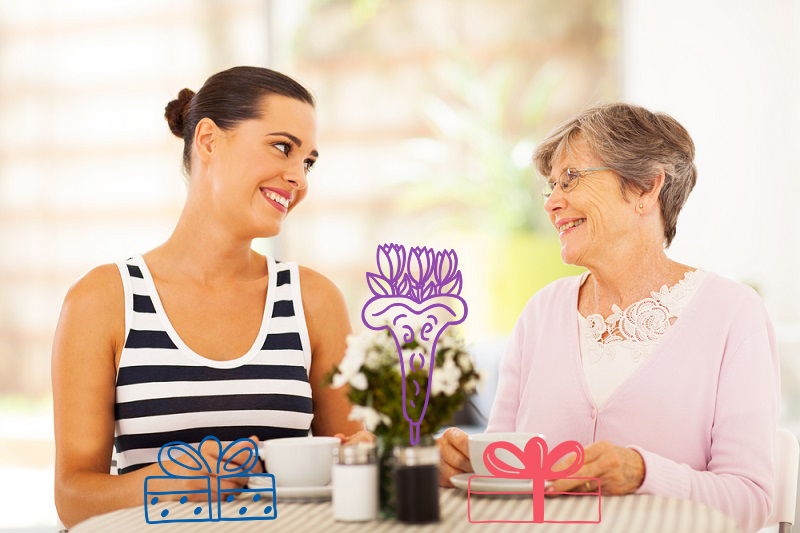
(100, 285)
(323, 302)
(318, 290)
(97, 299)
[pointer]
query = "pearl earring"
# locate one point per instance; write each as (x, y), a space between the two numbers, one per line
(641, 206)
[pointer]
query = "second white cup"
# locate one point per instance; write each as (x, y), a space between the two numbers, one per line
(479, 442)
(300, 461)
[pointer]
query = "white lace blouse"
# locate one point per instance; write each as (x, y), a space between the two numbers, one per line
(632, 334)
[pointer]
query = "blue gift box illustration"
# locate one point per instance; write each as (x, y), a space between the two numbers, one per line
(254, 504)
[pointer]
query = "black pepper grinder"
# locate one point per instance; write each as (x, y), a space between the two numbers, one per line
(416, 478)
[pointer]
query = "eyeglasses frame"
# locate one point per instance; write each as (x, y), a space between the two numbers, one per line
(580, 173)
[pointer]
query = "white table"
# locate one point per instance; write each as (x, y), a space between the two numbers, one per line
(643, 513)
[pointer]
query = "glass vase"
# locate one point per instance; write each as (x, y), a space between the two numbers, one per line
(387, 505)
(386, 470)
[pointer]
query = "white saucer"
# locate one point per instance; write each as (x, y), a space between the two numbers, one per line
(492, 484)
(297, 493)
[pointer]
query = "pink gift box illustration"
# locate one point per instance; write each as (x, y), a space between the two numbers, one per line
(537, 467)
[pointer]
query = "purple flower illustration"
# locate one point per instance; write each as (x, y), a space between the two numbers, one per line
(446, 267)
(379, 285)
(453, 286)
(391, 262)
(448, 278)
(416, 297)
(425, 261)
(403, 286)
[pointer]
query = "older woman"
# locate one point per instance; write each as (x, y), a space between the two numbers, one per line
(202, 335)
(667, 374)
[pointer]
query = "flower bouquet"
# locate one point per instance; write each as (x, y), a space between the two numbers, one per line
(372, 370)
(409, 371)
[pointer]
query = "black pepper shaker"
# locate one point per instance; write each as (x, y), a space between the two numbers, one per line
(416, 478)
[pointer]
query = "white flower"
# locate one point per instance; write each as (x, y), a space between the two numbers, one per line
(350, 367)
(386, 341)
(369, 416)
(465, 361)
(406, 354)
(375, 358)
(445, 379)
(359, 381)
(349, 376)
(446, 340)
(339, 380)
(357, 346)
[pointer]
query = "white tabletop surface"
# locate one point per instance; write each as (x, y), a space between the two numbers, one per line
(640, 513)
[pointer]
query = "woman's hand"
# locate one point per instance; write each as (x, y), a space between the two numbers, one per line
(453, 455)
(620, 470)
(210, 453)
(212, 456)
(355, 438)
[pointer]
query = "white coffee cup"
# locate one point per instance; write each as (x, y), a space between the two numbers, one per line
(479, 442)
(299, 461)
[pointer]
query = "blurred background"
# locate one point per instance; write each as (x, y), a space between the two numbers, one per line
(429, 111)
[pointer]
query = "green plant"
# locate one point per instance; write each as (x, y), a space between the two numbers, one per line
(371, 368)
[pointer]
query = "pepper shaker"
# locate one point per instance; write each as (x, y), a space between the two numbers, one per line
(417, 483)
(355, 483)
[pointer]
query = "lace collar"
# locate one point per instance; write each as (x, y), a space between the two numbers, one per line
(644, 321)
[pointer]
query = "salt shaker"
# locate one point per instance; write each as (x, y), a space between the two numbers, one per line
(355, 482)
(417, 483)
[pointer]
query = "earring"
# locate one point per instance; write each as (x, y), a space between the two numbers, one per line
(641, 206)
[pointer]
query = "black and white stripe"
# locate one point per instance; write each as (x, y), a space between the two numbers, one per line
(167, 392)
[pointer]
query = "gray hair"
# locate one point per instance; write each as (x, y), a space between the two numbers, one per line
(636, 144)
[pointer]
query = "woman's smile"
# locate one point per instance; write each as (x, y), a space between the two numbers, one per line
(276, 199)
(569, 226)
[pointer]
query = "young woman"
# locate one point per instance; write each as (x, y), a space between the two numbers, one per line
(202, 335)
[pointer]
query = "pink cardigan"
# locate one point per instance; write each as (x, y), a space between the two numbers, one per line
(702, 409)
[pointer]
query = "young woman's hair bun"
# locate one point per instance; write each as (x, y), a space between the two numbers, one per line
(175, 112)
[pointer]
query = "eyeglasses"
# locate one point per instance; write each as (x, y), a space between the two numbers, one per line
(568, 180)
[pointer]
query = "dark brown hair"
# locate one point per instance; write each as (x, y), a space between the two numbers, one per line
(228, 98)
(636, 144)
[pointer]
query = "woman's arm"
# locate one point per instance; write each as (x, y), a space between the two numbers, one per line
(739, 480)
(328, 327)
(83, 374)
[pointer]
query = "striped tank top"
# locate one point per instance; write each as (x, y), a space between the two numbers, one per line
(166, 392)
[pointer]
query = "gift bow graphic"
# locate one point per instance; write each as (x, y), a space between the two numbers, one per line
(537, 465)
(199, 462)
(194, 461)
